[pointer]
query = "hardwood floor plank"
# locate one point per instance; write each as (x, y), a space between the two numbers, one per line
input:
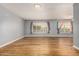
(40, 46)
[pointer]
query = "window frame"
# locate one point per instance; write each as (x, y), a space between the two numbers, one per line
(48, 25)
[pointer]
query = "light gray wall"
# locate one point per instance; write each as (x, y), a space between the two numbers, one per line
(11, 26)
(53, 27)
(76, 25)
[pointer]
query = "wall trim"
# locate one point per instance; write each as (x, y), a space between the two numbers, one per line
(11, 42)
(75, 47)
(48, 36)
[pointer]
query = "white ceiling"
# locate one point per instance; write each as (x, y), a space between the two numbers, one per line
(46, 11)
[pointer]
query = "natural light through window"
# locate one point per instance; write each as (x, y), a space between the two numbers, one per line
(65, 26)
(40, 27)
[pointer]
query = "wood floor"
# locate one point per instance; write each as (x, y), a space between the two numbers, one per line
(44, 46)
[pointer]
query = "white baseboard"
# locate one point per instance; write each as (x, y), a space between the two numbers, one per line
(76, 47)
(11, 42)
(48, 36)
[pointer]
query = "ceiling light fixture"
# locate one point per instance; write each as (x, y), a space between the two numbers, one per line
(37, 6)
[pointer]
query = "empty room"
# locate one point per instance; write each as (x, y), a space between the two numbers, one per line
(39, 29)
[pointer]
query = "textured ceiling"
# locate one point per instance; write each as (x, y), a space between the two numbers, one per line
(46, 11)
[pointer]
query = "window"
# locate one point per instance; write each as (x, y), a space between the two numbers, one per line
(40, 27)
(65, 26)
